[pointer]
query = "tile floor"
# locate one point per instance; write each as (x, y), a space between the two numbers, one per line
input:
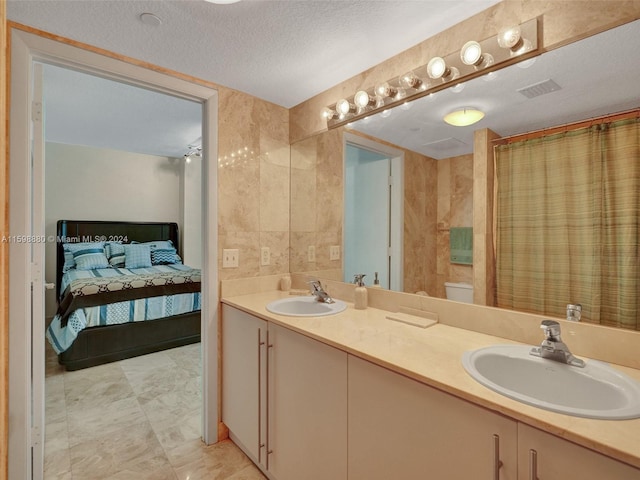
(134, 419)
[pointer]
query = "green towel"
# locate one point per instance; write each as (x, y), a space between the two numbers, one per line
(461, 245)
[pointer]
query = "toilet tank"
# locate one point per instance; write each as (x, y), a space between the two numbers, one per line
(459, 292)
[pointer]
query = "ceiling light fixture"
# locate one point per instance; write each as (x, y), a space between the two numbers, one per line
(222, 2)
(150, 19)
(464, 116)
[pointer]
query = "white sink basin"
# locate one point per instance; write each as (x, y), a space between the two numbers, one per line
(595, 391)
(305, 307)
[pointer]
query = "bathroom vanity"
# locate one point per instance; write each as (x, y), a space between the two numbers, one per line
(355, 395)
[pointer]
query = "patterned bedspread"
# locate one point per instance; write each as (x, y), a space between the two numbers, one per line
(100, 290)
(117, 295)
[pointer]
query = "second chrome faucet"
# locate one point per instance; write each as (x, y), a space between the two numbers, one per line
(553, 348)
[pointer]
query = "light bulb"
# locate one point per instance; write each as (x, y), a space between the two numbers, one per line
(437, 68)
(327, 113)
(362, 99)
(411, 80)
(343, 107)
(386, 90)
(523, 47)
(510, 37)
(471, 54)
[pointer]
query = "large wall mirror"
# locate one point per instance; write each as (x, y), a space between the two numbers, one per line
(587, 79)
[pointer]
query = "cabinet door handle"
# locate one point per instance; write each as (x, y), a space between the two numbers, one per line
(497, 463)
(533, 465)
(260, 444)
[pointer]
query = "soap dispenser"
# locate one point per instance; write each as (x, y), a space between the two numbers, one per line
(360, 293)
(376, 282)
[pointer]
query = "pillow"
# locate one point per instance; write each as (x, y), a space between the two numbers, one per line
(115, 254)
(137, 255)
(159, 244)
(164, 256)
(89, 256)
(69, 263)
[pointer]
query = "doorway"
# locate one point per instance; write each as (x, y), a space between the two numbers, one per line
(26, 267)
(373, 218)
(133, 140)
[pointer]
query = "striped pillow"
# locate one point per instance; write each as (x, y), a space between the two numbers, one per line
(115, 254)
(137, 255)
(89, 256)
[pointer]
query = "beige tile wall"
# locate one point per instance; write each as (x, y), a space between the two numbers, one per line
(316, 209)
(420, 200)
(253, 183)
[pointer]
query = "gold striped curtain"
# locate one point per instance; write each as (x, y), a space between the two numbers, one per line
(567, 224)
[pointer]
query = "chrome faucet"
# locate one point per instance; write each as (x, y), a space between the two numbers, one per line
(553, 347)
(574, 312)
(318, 292)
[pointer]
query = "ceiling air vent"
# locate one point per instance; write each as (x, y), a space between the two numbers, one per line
(540, 88)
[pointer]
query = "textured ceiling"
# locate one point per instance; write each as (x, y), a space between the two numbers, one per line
(282, 51)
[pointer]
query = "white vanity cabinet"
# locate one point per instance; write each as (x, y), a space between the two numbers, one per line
(284, 398)
(542, 456)
(401, 428)
(244, 370)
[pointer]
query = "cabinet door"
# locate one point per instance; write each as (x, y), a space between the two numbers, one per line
(243, 383)
(400, 428)
(307, 408)
(558, 459)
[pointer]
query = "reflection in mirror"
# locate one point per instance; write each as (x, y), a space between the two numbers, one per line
(570, 84)
(373, 187)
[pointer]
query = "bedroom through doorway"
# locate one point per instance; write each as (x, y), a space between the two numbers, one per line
(120, 153)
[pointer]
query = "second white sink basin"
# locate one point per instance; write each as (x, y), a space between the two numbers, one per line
(595, 391)
(305, 307)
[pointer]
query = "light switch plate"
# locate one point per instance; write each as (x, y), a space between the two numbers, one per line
(334, 252)
(230, 257)
(265, 256)
(311, 253)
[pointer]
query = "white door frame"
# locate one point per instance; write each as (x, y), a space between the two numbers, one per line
(26, 48)
(396, 226)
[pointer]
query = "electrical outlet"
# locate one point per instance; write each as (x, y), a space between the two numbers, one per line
(311, 253)
(265, 256)
(334, 252)
(230, 257)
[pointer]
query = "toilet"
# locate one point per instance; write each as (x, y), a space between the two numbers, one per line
(459, 292)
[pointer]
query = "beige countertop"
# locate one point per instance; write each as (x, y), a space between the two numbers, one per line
(433, 356)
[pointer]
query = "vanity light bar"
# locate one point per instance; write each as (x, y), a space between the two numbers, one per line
(475, 58)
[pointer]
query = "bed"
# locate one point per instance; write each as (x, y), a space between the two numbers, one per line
(159, 303)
